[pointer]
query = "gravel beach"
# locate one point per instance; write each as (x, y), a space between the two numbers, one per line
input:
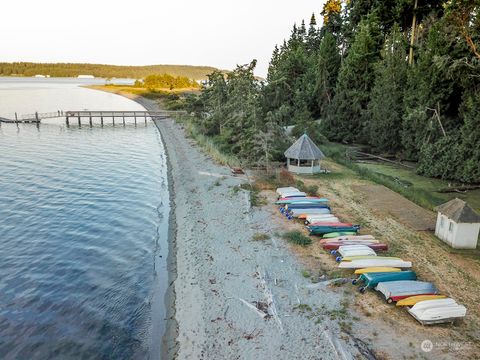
(235, 297)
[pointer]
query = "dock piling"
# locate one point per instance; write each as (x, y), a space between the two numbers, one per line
(123, 115)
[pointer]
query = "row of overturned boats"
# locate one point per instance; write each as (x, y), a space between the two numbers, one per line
(390, 276)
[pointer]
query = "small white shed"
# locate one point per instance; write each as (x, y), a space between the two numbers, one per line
(303, 157)
(458, 224)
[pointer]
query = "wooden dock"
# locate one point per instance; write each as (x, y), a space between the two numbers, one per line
(32, 118)
(84, 115)
(119, 115)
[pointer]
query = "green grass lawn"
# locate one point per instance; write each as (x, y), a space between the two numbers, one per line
(419, 189)
(413, 181)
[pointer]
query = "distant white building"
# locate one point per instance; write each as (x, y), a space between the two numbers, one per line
(303, 157)
(86, 77)
(40, 76)
(458, 224)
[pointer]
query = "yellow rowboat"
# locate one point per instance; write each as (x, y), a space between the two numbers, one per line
(376, 269)
(412, 300)
(351, 258)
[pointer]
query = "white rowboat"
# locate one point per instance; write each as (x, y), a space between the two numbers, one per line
(437, 311)
(365, 263)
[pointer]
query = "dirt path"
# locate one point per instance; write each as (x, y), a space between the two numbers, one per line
(380, 199)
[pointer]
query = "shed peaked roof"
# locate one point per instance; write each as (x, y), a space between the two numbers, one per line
(459, 211)
(304, 149)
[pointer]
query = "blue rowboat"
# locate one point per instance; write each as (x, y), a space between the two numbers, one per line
(320, 230)
(300, 200)
(307, 206)
(371, 280)
(397, 290)
(304, 209)
(298, 212)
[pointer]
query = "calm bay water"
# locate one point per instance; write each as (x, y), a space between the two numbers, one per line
(83, 230)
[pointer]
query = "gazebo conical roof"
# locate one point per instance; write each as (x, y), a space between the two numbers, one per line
(304, 149)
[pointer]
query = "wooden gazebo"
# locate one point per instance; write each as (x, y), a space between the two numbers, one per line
(303, 157)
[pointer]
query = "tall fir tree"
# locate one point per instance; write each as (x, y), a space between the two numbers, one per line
(471, 138)
(432, 99)
(328, 66)
(347, 116)
(313, 35)
(332, 17)
(385, 109)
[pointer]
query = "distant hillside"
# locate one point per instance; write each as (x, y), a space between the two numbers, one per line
(99, 70)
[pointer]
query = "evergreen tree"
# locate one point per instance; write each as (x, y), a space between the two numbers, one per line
(327, 72)
(291, 80)
(313, 35)
(213, 97)
(346, 116)
(432, 99)
(428, 111)
(385, 109)
(332, 18)
(471, 138)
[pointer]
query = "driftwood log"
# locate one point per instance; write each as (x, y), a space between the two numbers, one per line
(371, 156)
(463, 188)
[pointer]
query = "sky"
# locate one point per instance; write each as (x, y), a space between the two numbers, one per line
(219, 33)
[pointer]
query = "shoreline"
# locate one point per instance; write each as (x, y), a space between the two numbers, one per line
(169, 342)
